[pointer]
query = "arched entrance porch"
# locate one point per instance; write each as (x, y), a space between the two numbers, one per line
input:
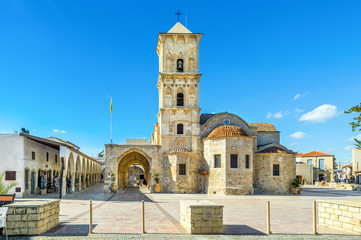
(128, 159)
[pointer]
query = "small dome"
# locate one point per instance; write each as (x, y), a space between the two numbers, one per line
(227, 131)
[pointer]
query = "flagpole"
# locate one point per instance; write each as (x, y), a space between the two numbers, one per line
(111, 120)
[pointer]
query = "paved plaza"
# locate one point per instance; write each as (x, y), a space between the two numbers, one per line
(117, 214)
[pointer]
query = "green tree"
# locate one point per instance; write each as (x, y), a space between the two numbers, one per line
(4, 189)
(356, 124)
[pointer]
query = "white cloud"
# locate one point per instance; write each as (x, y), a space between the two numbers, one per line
(297, 110)
(59, 131)
(275, 115)
(349, 147)
(358, 137)
(278, 114)
(298, 135)
(292, 144)
(320, 114)
(298, 95)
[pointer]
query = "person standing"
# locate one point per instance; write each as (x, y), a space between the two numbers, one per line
(56, 183)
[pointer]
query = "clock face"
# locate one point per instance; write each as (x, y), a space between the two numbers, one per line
(226, 121)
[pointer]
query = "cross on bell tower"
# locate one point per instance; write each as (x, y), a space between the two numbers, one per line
(178, 13)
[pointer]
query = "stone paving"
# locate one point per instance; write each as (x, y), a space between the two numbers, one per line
(192, 237)
(115, 215)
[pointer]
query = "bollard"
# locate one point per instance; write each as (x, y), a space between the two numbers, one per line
(90, 216)
(314, 217)
(143, 218)
(268, 218)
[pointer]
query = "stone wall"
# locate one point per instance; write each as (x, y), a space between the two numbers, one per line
(344, 215)
(175, 183)
(201, 217)
(32, 217)
(264, 138)
(265, 182)
(227, 180)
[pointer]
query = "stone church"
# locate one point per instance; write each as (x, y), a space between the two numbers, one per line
(191, 152)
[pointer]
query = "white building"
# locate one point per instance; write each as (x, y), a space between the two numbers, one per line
(33, 163)
(356, 165)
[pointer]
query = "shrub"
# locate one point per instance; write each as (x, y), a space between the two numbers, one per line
(4, 189)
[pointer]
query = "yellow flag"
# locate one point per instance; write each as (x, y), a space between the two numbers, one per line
(111, 106)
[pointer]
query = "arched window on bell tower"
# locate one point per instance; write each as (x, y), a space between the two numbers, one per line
(180, 65)
(180, 100)
(179, 128)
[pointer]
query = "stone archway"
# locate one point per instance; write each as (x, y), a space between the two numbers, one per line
(128, 159)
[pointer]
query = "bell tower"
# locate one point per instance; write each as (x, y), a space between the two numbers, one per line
(178, 84)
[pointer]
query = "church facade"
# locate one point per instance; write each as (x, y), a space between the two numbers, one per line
(192, 152)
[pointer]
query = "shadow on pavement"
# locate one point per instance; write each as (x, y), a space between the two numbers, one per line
(240, 230)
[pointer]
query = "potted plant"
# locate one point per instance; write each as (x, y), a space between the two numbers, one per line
(113, 187)
(157, 185)
(296, 189)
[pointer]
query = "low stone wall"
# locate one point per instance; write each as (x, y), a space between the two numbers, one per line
(201, 217)
(32, 217)
(340, 214)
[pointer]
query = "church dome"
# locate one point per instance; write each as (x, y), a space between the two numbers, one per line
(227, 131)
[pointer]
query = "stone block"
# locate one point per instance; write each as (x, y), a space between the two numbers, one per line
(356, 215)
(328, 222)
(321, 209)
(31, 210)
(321, 220)
(23, 231)
(11, 211)
(32, 224)
(342, 207)
(355, 221)
(201, 217)
(357, 229)
(346, 214)
(330, 210)
(325, 215)
(334, 217)
(337, 224)
(347, 226)
(14, 218)
(20, 210)
(326, 205)
(34, 231)
(338, 212)
(344, 219)
(334, 206)
(10, 225)
(354, 209)
(14, 231)
(34, 217)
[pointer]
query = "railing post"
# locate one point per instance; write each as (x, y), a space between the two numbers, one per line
(90, 216)
(268, 218)
(314, 217)
(143, 218)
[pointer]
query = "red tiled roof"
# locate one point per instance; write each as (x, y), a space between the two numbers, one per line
(315, 153)
(227, 131)
(263, 127)
(299, 154)
(348, 165)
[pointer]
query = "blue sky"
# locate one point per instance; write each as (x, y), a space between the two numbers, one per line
(265, 61)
